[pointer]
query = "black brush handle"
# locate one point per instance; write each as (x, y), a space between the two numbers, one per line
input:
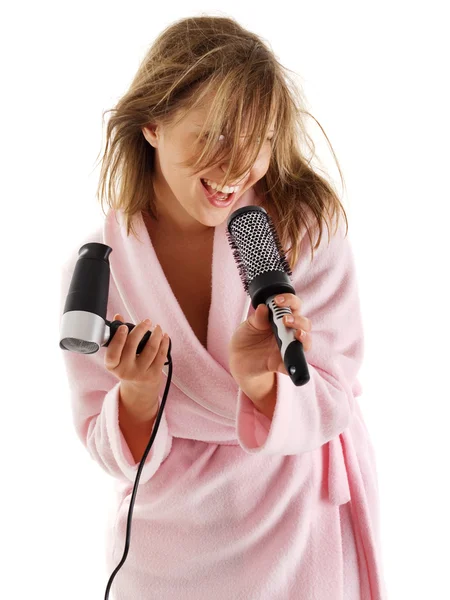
(291, 348)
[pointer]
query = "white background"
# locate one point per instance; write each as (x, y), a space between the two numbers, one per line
(376, 78)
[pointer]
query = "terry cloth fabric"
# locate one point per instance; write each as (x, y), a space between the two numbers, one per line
(232, 504)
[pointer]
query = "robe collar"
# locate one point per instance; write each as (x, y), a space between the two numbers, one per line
(145, 292)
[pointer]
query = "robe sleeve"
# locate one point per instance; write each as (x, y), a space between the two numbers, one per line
(94, 393)
(308, 416)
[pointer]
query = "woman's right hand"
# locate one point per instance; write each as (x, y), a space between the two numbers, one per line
(139, 373)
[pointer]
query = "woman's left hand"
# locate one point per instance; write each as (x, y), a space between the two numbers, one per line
(253, 348)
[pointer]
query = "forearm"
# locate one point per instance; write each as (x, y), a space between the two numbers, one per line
(135, 431)
(262, 391)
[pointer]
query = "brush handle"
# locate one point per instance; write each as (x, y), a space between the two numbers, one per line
(291, 348)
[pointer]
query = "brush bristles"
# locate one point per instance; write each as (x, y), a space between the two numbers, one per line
(261, 258)
(239, 262)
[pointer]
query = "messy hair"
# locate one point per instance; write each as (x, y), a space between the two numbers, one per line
(190, 59)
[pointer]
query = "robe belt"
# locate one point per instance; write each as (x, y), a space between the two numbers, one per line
(338, 486)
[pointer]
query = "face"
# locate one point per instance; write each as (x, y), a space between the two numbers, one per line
(181, 202)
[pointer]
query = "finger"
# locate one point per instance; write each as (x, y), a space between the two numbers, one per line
(150, 350)
(161, 356)
(262, 311)
(114, 350)
(290, 300)
(299, 322)
(116, 339)
(133, 340)
(259, 320)
(305, 338)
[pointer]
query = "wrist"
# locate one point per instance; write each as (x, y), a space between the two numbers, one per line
(138, 402)
(262, 391)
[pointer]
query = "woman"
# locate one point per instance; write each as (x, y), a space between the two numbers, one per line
(253, 488)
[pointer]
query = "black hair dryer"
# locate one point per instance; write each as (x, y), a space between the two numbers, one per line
(84, 327)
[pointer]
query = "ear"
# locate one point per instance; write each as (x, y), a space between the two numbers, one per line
(151, 134)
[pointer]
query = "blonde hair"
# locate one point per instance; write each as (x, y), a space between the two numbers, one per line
(191, 58)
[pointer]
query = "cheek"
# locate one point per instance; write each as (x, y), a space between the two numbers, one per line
(260, 168)
(174, 170)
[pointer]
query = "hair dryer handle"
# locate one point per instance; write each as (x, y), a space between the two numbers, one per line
(114, 326)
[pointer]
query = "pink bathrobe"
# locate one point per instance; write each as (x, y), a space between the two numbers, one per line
(232, 505)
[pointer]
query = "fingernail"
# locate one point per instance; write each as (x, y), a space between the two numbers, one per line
(147, 321)
(279, 299)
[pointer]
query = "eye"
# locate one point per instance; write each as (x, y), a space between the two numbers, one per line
(222, 137)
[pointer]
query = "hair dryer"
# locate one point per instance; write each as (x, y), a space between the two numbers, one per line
(84, 328)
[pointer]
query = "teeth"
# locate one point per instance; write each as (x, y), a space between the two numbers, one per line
(226, 189)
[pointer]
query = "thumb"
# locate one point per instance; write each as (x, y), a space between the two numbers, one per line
(260, 318)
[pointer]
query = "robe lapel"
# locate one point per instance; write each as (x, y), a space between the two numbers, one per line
(202, 374)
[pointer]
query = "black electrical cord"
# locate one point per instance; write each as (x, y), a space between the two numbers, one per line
(138, 475)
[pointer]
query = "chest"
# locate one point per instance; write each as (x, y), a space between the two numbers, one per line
(188, 271)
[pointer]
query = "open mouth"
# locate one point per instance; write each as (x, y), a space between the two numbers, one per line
(215, 193)
(218, 199)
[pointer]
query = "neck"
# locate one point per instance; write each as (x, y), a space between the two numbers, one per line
(166, 229)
